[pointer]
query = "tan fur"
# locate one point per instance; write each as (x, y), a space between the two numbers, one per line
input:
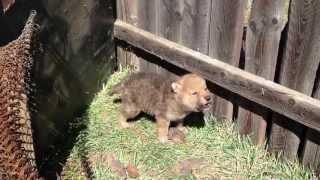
(165, 98)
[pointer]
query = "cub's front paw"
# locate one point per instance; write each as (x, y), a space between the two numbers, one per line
(182, 129)
(124, 125)
(163, 139)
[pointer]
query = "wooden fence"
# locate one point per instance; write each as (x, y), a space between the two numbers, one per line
(275, 94)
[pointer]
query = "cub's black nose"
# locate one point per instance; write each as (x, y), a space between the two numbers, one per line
(208, 98)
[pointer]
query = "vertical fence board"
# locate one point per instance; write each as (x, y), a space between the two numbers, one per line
(146, 19)
(127, 10)
(195, 25)
(121, 54)
(266, 23)
(298, 70)
(311, 152)
(170, 18)
(226, 27)
(147, 15)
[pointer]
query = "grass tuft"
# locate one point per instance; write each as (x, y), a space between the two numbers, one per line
(227, 155)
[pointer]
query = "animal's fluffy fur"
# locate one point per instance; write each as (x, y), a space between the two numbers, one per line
(168, 99)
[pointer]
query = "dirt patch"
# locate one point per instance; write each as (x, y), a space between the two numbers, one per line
(185, 167)
(111, 161)
(132, 171)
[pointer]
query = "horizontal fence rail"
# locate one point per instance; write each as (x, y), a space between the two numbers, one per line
(283, 100)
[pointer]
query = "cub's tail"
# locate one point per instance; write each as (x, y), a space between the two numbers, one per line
(116, 89)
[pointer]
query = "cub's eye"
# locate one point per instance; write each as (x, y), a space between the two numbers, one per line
(194, 93)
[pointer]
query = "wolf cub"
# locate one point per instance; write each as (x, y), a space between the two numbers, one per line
(167, 99)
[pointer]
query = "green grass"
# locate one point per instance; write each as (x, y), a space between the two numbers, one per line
(227, 155)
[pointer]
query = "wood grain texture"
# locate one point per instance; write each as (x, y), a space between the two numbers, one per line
(168, 23)
(147, 19)
(283, 100)
(121, 56)
(263, 36)
(147, 15)
(226, 29)
(195, 25)
(298, 70)
(170, 19)
(127, 11)
(142, 14)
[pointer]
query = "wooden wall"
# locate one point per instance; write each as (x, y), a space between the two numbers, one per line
(281, 43)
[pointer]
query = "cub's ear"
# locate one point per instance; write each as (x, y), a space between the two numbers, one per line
(175, 87)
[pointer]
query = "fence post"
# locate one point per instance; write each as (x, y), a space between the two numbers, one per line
(266, 23)
(226, 29)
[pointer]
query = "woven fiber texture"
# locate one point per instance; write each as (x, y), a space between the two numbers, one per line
(17, 159)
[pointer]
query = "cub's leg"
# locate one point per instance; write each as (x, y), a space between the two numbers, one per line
(127, 111)
(163, 129)
(180, 127)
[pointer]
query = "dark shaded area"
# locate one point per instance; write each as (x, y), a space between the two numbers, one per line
(253, 107)
(78, 58)
(316, 87)
(195, 120)
(13, 20)
(242, 61)
(294, 127)
(225, 94)
(282, 47)
(314, 136)
(192, 120)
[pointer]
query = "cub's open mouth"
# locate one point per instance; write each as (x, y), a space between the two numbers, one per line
(204, 107)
